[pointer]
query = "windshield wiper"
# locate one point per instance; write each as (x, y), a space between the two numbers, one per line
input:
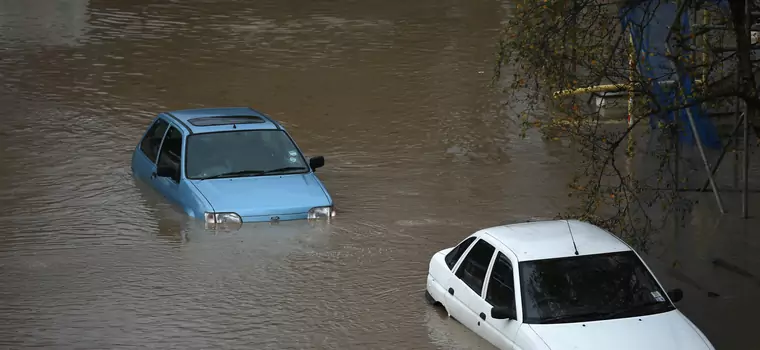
(287, 168)
(570, 317)
(640, 308)
(605, 315)
(253, 172)
(235, 174)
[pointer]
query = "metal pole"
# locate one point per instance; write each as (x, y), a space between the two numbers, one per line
(706, 21)
(737, 112)
(747, 115)
(733, 140)
(704, 159)
(675, 134)
(745, 170)
(698, 140)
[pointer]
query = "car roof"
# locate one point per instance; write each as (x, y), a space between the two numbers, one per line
(205, 120)
(549, 239)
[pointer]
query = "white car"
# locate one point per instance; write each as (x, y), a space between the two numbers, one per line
(556, 285)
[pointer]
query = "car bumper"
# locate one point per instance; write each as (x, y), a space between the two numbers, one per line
(435, 289)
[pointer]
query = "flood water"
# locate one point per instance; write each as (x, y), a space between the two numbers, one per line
(418, 154)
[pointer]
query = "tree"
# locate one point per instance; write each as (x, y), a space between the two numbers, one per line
(550, 46)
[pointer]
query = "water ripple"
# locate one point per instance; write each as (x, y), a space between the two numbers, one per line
(419, 154)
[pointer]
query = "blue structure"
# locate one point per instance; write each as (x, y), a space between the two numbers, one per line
(650, 22)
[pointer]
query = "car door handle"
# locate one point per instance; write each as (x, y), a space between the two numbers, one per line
(482, 316)
(451, 291)
(153, 175)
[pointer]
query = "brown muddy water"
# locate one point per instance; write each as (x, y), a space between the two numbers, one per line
(393, 93)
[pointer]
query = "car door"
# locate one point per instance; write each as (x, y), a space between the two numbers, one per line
(170, 157)
(144, 157)
(466, 285)
(499, 292)
(453, 259)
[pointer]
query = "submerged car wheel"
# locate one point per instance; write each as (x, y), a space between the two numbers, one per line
(429, 298)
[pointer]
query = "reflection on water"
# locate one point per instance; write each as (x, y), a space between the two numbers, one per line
(31, 23)
(418, 155)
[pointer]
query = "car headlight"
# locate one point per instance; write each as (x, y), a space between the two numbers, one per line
(320, 213)
(223, 220)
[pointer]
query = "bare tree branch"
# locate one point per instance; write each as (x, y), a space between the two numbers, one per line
(550, 46)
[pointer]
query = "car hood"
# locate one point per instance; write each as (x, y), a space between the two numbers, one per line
(666, 331)
(264, 195)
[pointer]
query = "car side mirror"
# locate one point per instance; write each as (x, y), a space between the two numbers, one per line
(675, 295)
(164, 171)
(316, 162)
(504, 313)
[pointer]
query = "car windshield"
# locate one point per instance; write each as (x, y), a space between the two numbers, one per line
(242, 153)
(587, 288)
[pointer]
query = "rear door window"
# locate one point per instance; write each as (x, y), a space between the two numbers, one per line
(171, 152)
(152, 140)
(453, 256)
(473, 269)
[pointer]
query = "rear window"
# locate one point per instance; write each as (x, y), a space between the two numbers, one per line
(453, 256)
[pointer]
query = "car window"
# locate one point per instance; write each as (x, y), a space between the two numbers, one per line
(501, 291)
(473, 269)
(453, 256)
(171, 152)
(152, 140)
(242, 153)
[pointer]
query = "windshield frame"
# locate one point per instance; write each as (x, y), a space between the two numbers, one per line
(298, 149)
(594, 317)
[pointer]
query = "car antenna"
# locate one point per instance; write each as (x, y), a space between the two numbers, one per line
(571, 236)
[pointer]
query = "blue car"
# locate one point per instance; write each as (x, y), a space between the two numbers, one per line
(228, 166)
